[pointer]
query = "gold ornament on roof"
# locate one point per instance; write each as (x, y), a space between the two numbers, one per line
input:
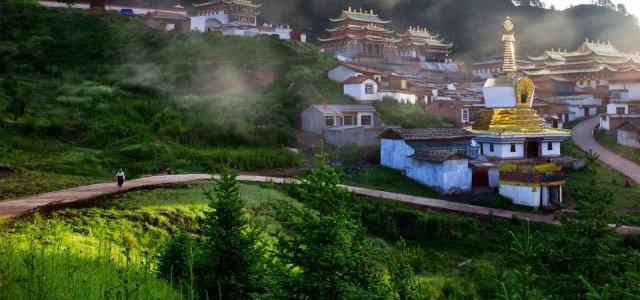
(508, 25)
(524, 92)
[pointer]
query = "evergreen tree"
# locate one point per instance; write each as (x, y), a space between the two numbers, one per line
(230, 262)
(522, 284)
(585, 246)
(401, 276)
(322, 249)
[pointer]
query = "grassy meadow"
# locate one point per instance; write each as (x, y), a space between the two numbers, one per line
(116, 238)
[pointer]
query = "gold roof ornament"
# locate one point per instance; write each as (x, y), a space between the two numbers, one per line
(509, 55)
(524, 92)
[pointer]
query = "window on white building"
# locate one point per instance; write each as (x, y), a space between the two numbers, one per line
(550, 146)
(490, 147)
(634, 109)
(368, 89)
(329, 121)
(465, 115)
(347, 120)
(619, 110)
(513, 148)
(365, 120)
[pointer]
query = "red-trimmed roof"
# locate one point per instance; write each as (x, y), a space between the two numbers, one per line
(357, 79)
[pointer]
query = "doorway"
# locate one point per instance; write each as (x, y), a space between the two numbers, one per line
(554, 196)
(532, 149)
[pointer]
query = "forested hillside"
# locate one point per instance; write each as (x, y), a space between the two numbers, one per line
(85, 94)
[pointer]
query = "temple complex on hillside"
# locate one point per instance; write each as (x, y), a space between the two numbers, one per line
(420, 43)
(593, 68)
(239, 18)
(362, 36)
(513, 136)
(360, 33)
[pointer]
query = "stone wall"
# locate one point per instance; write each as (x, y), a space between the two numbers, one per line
(360, 136)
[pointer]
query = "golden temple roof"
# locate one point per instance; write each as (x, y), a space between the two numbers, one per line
(422, 37)
(237, 2)
(361, 15)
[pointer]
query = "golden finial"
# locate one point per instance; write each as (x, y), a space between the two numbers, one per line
(508, 25)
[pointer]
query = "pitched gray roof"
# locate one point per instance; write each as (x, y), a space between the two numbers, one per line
(426, 134)
(336, 109)
(437, 155)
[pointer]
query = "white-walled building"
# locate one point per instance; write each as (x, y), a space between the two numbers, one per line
(361, 88)
(435, 157)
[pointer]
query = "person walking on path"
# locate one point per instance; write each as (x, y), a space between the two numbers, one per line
(120, 178)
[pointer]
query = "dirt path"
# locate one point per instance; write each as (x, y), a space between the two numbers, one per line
(19, 206)
(582, 135)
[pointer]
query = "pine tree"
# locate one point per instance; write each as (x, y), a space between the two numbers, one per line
(230, 262)
(522, 286)
(322, 249)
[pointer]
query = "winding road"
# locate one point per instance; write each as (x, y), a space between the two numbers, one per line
(16, 207)
(582, 135)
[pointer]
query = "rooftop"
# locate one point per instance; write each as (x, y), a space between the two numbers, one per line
(357, 79)
(336, 109)
(426, 134)
(361, 15)
(438, 155)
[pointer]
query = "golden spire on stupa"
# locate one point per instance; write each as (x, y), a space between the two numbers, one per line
(509, 55)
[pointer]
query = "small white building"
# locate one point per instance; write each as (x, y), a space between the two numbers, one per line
(361, 88)
(581, 106)
(402, 96)
(628, 133)
(435, 157)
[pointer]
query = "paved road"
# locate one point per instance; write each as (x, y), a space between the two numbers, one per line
(582, 135)
(16, 207)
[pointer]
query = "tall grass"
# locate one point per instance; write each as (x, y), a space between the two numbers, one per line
(40, 266)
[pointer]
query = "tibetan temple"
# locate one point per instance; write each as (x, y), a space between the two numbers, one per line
(592, 68)
(359, 33)
(236, 13)
(420, 43)
(512, 135)
(362, 33)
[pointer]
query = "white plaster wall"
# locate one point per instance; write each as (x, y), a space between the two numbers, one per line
(544, 197)
(357, 91)
(634, 91)
(627, 138)
(503, 150)
(56, 4)
(400, 97)
(394, 153)
(342, 73)
(613, 107)
(554, 152)
(448, 177)
(604, 123)
(494, 177)
(359, 117)
(522, 195)
(198, 23)
(499, 97)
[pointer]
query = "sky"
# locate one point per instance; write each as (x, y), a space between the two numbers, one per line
(633, 6)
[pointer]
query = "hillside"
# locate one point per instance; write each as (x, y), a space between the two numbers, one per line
(85, 95)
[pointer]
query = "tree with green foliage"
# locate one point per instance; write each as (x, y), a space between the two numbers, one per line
(523, 280)
(229, 258)
(586, 245)
(323, 250)
(401, 276)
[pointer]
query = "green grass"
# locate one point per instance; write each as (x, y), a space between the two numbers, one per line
(115, 239)
(23, 183)
(409, 115)
(626, 200)
(389, 180)
(610, 141)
